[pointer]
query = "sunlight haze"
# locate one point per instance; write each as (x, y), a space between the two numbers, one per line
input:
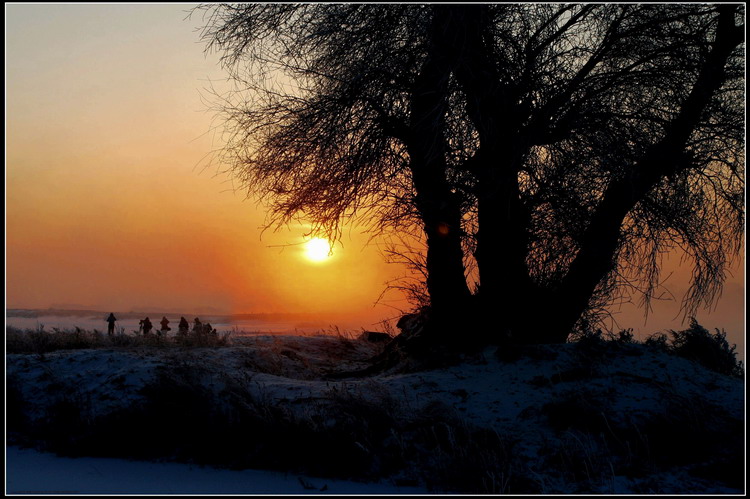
(112, 202)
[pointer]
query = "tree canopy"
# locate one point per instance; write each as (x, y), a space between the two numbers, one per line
(559, 149)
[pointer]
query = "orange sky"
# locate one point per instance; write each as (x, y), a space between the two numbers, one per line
(108, 201)
(108, 205)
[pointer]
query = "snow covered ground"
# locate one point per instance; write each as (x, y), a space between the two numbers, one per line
(32, 472)
(563, 419)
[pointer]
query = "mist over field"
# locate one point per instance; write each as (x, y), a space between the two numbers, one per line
(238, 324)
(723, 318)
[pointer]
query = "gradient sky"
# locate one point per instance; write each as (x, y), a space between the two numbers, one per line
(112, 204)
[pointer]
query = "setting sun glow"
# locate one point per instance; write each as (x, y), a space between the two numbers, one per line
(317, 249)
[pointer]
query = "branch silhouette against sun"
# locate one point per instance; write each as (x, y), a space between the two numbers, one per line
(550, 153)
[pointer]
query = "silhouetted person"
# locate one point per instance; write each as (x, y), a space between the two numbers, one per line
(197, 326)
(147, 326)
(184, 326)
(111, 327)
(165, 325)
(208, 329)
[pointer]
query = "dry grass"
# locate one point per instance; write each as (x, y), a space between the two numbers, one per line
(40, 341)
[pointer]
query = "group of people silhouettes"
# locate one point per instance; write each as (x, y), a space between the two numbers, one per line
(145, 326)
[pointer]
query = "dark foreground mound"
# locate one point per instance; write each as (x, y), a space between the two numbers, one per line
(591, 417)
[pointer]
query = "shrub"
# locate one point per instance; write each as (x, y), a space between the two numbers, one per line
(626, 336)
(709, 349)
(657, 341)
(695, 343)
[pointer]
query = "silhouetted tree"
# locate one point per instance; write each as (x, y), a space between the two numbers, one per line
(562, 148)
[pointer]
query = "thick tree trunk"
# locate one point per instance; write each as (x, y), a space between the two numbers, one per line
(440, 212)
(506, 292)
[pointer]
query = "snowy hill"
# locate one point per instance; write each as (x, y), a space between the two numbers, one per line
(590, 417)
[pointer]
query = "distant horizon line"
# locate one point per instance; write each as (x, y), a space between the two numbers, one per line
(33, 312)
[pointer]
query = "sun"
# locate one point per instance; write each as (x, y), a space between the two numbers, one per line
(318, 249)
